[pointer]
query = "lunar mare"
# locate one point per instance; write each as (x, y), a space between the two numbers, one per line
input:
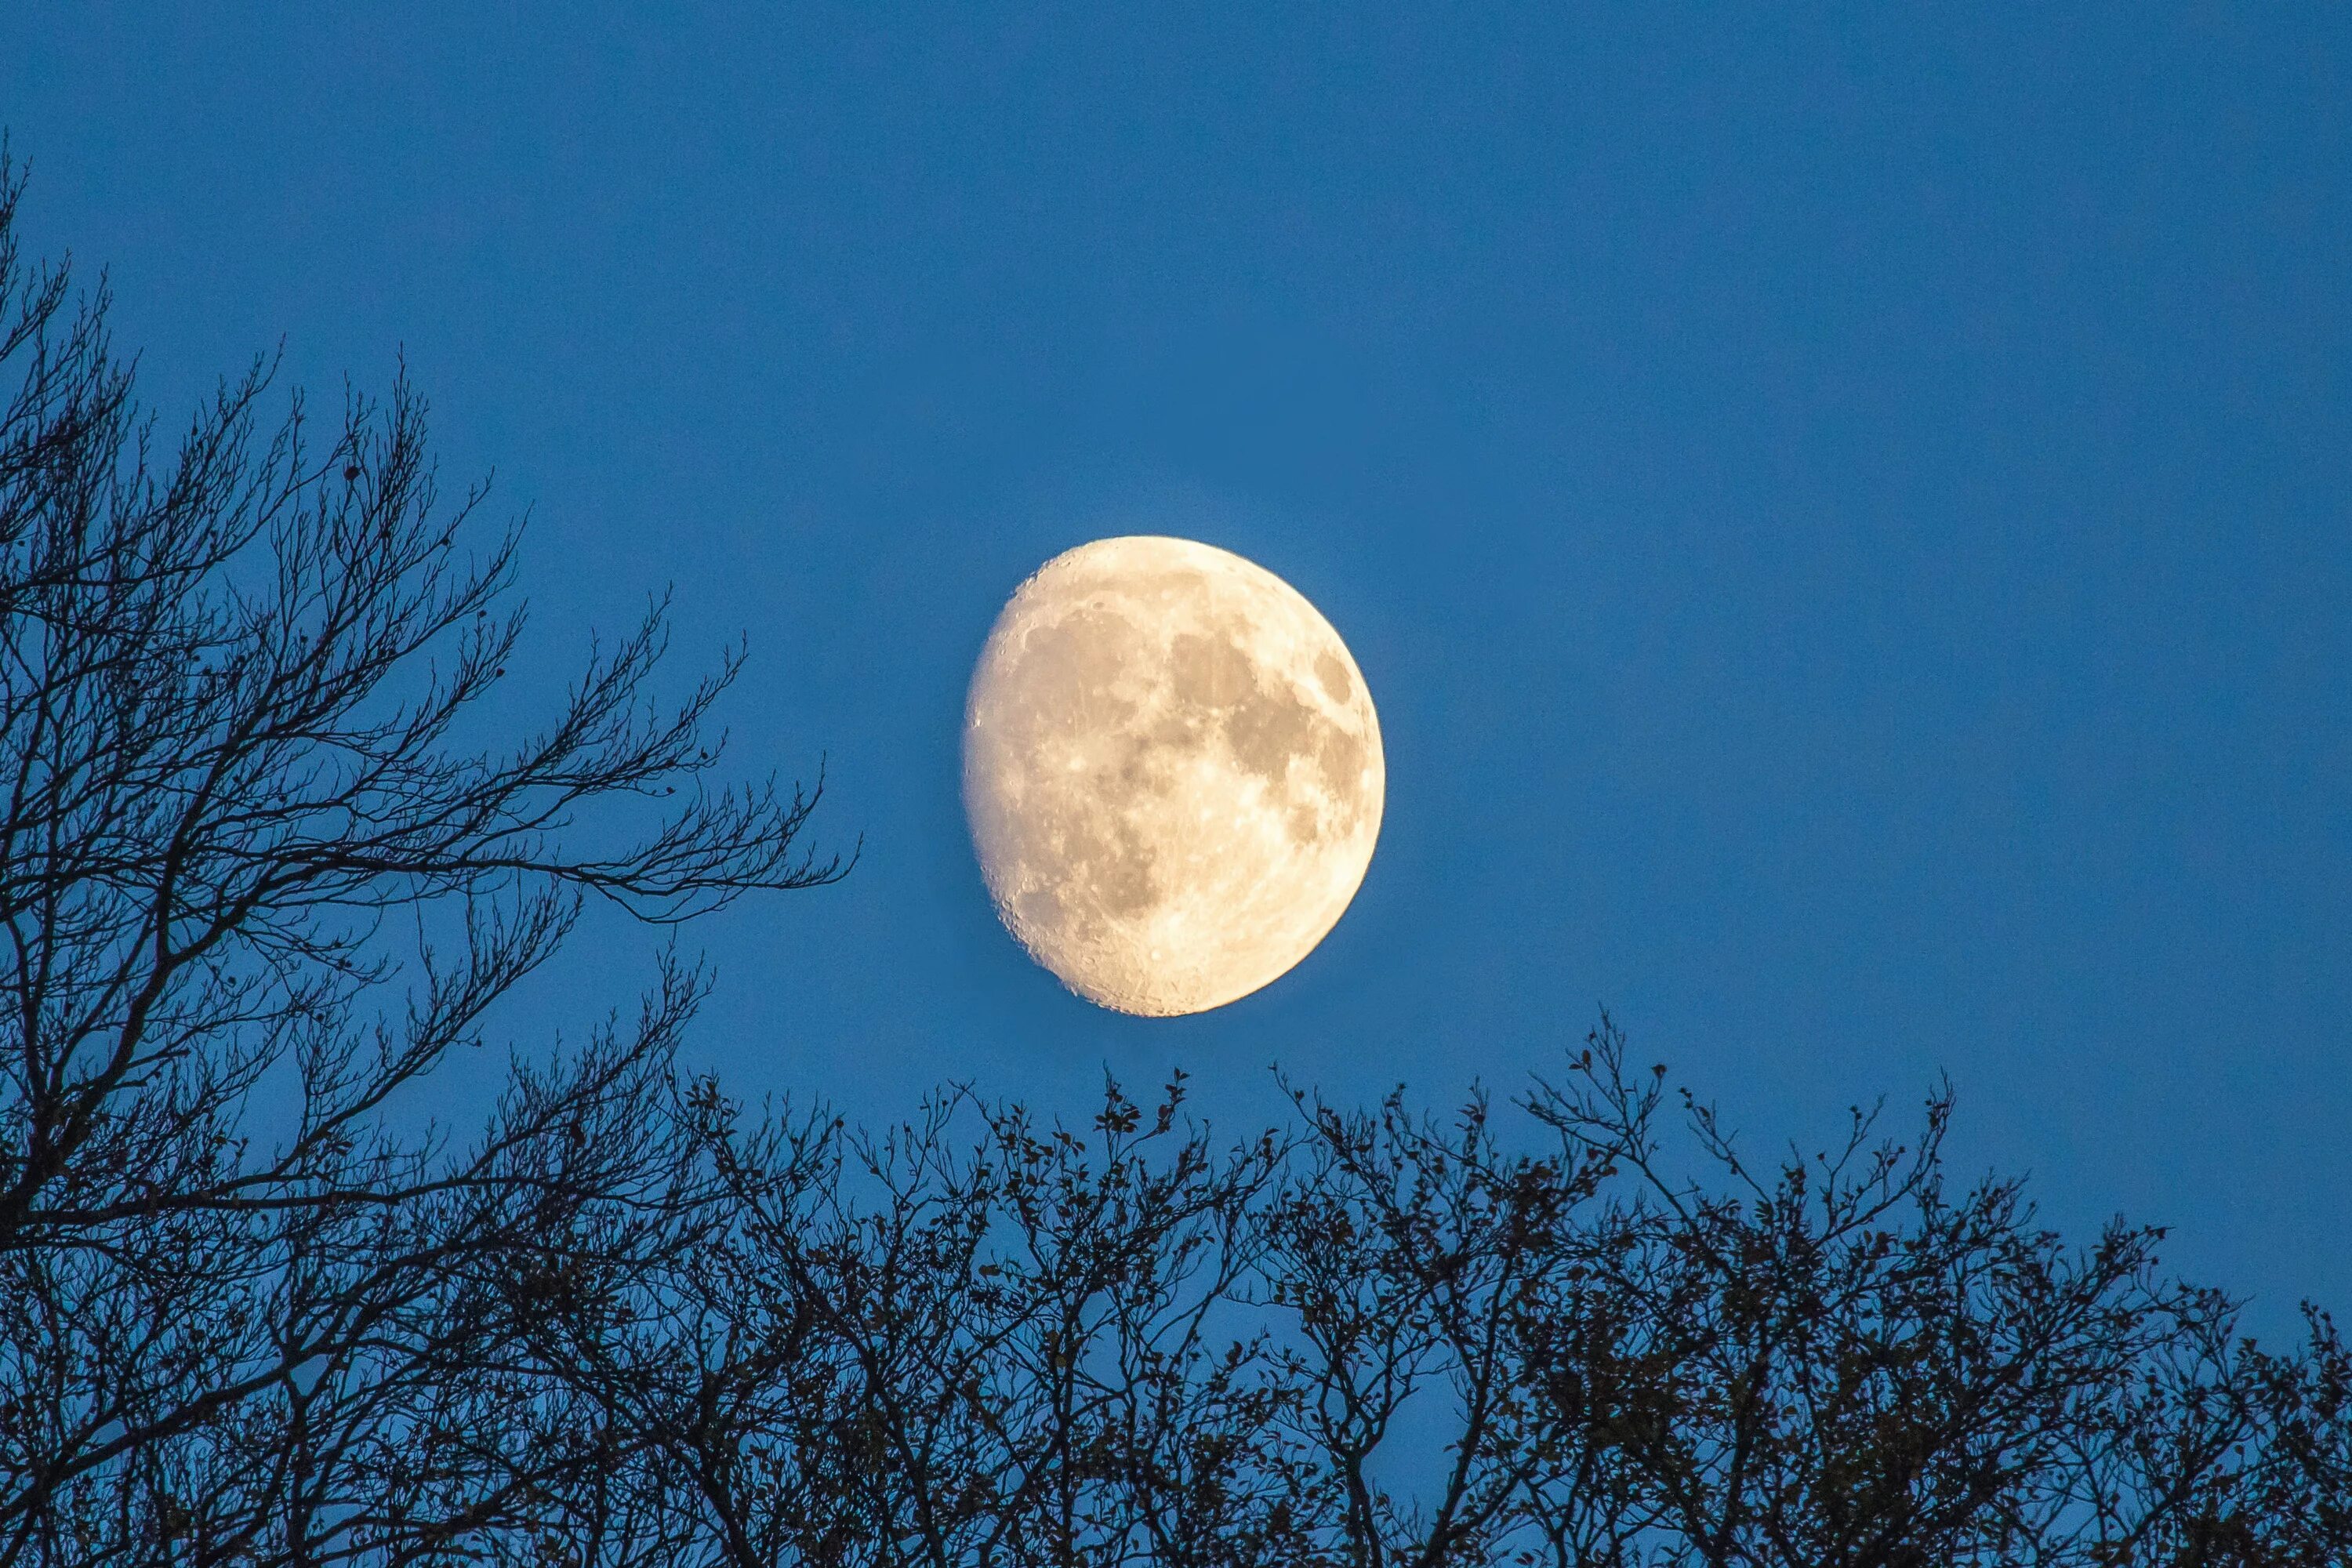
(1172, 772)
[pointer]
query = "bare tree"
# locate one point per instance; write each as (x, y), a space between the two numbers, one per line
(238, 1318)
(967, 1340)
(1405, 1257)
(1834, 1361)
(1387, 1338)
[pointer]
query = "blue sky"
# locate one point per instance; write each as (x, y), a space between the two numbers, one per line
(1844, 513)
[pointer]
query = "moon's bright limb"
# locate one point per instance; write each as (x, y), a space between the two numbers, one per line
(1174, 774)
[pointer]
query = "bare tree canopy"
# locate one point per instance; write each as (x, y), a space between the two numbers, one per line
(265, 861)
(232, 721)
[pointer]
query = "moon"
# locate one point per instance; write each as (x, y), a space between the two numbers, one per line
(1172, 772)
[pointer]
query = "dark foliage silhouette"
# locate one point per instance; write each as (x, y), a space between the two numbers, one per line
(265, 864)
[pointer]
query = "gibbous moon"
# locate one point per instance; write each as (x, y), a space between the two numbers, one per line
(1174, 774)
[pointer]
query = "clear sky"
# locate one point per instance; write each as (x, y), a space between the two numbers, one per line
(1846, 514)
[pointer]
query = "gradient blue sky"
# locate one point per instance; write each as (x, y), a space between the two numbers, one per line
(1845, 514)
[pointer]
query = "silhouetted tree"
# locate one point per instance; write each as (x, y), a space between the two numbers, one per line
(265, 863)
(1388, 1339)
(1835, 1362)
(238, 1318)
